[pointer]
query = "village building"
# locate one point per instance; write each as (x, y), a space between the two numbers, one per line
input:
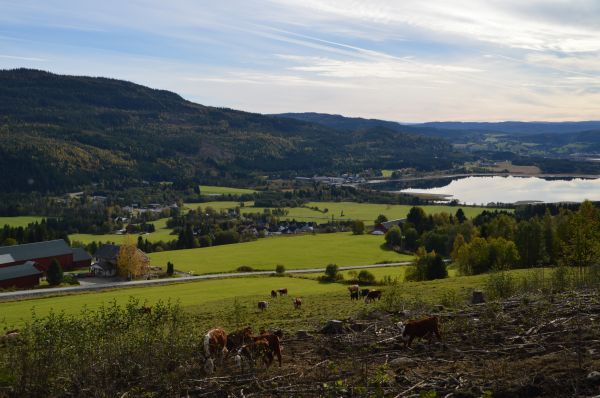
(42, 254)
(382, 228)
(22, 276)
(105, 260)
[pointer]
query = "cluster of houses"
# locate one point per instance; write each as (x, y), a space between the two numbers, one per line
(344, 179)
(22, 266)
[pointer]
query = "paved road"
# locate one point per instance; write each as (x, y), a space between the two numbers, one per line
(23, 294)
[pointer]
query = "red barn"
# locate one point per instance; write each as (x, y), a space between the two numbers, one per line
(42, 253)
(22, 276)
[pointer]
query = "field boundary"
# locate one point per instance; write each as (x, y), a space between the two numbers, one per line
(30, 294)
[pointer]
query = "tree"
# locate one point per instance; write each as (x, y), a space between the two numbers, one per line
(427, 266)
(380, 219)
(393, 237)
(460, 216)
(582, 246)
(366, 277)
(529, 239)
(280, 269)
(417, 217)
(54, 275)
(331, 271)
(411, 239)
(170, 268)
(131, 262)
(459, 242)
(358, 227)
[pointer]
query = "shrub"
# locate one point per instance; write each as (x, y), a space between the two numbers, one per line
(358, 227)
(70, 279)
(500, 284)
(427, 266)
(331, 271)
(280, 269)
(366, 277)
(247, 268)
(170, 269)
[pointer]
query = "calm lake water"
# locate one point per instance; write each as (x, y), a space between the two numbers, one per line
(483, 190)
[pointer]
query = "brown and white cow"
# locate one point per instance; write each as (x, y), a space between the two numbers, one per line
(283, 292)
(297, 301)
(274, 343)
(215, 346)
(263, 305)
(424, 328)
(252, 351)
(372, 295)
(353, 288)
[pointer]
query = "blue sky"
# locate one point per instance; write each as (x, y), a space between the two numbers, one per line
(409, 60)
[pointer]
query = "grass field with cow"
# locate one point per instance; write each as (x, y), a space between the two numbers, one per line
(293, 252)
(233, 301)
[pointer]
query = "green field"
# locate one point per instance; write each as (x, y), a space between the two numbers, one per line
(162, 233)
(212, 300)
(294, 252)
(394, 272)
(214, 190)
(343, 210)
(386, 173)
(20, 221)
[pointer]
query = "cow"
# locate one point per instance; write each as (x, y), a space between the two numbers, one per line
(353, 288)
(273, 294)
(297, 302)
(354, 295)
(423, 328)
(238, 338)
(215, 346)
(263, 305)
(253, 351)
(274, 343)
(283, 292)
(364, 292)
(10, 336)
(372, 295)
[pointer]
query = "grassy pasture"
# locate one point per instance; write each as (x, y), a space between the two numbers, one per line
(217, 205)
(162, 233)
(394, 272)
(214, 190)
(20, 221)
(212, 301)
(294, 252)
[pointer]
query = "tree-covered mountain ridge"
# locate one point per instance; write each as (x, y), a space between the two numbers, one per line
(58, 132)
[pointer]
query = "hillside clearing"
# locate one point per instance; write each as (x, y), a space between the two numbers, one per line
(215, 190)
(19, 221)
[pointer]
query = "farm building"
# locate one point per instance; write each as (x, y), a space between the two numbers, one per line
(42, 253)
(384, 226)
(105, 263)
(23, 276)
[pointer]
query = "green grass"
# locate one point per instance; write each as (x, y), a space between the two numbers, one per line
(386, 173)
(20, 221)
(216, 205)
(162, 233)
(212, 300)
(214, 190)
(294, 252)
(394, 272)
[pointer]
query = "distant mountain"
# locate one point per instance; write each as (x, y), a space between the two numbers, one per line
(517, 128)
(59, 132)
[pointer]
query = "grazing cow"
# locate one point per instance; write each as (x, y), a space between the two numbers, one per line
(364, 292)
(252, 351)
(274, 345)
(273, 294)
(263, 305)
(282, 292)
(238, 338)
(297, 302)
(354, 295)
(372, 295)
(353, 288)
(423, 328)
(10, 336)
(215, 345)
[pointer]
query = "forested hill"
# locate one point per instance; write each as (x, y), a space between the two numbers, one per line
(59, 132)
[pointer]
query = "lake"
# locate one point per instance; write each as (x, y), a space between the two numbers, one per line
(483, 190)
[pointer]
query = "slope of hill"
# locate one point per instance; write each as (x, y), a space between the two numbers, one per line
(58, 132)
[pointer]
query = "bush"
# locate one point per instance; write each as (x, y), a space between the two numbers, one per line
(358, 227)
(393, 237)
(70, 280)
(247, 268)
(280, 269)
(366, 277)
(500, 284)
(331, 271)
(427, 266)
(170, 269)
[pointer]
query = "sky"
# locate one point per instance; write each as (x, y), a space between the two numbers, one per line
(402, 60)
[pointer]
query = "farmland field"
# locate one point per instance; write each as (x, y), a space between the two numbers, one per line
(212, 300)
(162, 233)
(394, 272)
(217, 205)
(20, 221)
(214, 190)
(294, 252)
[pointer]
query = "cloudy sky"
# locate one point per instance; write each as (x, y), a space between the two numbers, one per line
(404, 60)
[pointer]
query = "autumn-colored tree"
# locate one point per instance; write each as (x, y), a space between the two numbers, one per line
(131, 262)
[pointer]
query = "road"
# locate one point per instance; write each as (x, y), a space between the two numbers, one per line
(26, 294)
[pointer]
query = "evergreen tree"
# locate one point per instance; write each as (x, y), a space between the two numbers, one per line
(54, 275)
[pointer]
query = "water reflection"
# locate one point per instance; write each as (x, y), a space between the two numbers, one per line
(483, 190)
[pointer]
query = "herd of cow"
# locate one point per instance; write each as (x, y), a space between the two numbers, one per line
(356, 292)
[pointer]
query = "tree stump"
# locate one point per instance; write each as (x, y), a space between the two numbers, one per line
(333, 327)
(477, 297)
